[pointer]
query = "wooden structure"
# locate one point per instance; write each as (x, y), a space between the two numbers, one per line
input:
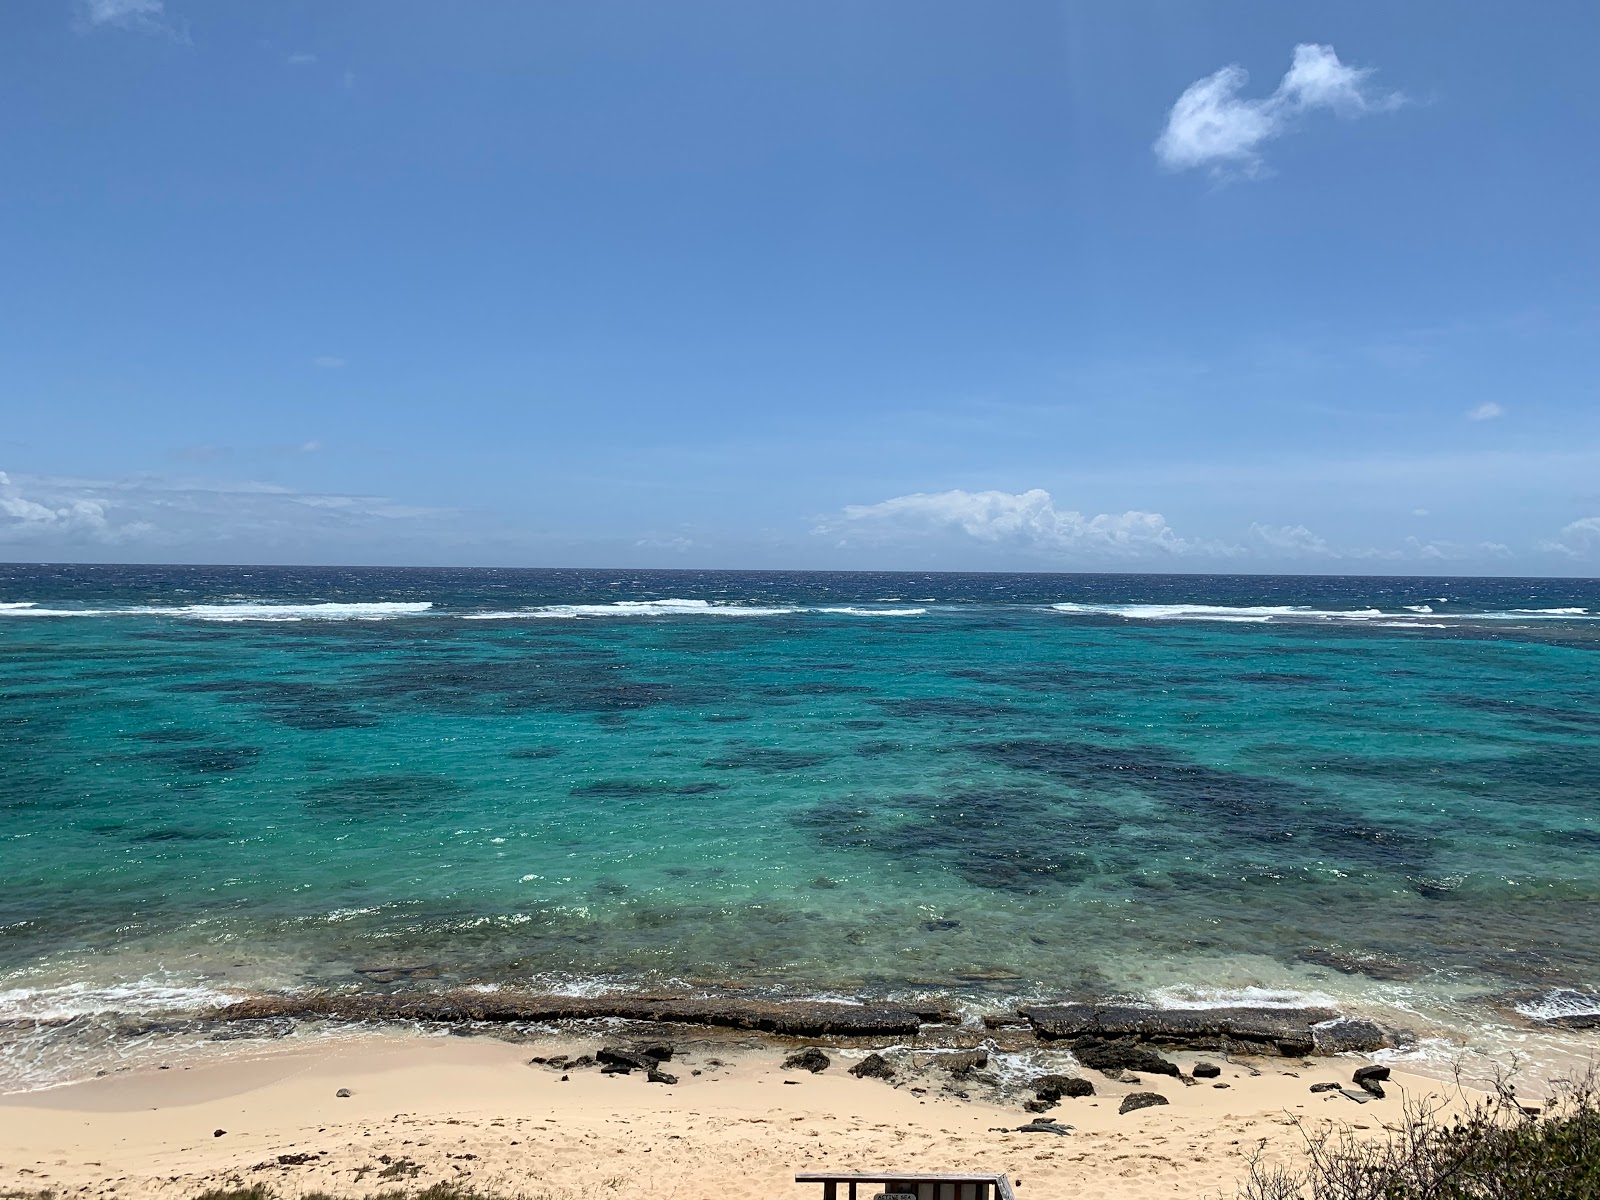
(923, 1187)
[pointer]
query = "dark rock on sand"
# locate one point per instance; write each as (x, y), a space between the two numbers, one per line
(802, 1019)
(634, 1060)
(1325, 1087)
(873, 1066)
(1205, 1070)
(1287, 1031)
(810, 1059)
(344, 1093)
(660, 1051)
(655, 1076)
(1124, 1054)
(616, 1069)
(1038, 1106)
(1045, 1127)
(1370, 1079)
(1137, 1100)
(1054, 1087)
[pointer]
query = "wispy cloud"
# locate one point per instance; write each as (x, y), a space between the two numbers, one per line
(1487, 411)
(1212, 126)
(64, 513)
(148, 16)
(302, 59)
(1027, 521)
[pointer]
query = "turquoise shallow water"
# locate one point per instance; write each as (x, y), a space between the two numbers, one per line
(269, 778)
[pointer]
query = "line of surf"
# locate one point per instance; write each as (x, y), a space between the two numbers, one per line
(1411, 618)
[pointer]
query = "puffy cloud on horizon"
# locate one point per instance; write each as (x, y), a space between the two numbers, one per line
(1577, 539)
(1027, 521)
(1211, 126)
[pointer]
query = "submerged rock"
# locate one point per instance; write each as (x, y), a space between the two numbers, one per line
(799, 1019)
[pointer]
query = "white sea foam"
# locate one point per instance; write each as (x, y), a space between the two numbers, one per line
(243, 611)
(635, 608)
(678, 608)
(1265, 613)
(1560, 1002)
(1257, 613)
(1180, 996)
(84, 999)
(874, 612)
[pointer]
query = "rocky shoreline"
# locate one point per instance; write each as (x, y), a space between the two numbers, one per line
(1289, 1032)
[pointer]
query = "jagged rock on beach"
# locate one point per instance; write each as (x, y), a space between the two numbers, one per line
(1112, 1058)
(655, 1076)
(810, 1059)
(617, 1056)
(1038, 1106)
(1325, 1087)
(1137, 1100)
(873, 1066)
(1054, 1087)
(1371, 1079)
(1045, 1127)
(1205, 1070)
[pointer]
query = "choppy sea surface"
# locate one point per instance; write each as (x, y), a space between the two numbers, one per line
(1379, 791)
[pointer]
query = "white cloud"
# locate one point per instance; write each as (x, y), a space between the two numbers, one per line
(56, 514)
(303, 59)
(1487, 411)
(67, 513)
(1211, 126)
(147, 15)
(1295, 540)
(331, 362)
(1577, 539)
(1419, 512)
(1023, 520)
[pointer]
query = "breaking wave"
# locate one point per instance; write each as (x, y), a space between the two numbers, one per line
(243, 611)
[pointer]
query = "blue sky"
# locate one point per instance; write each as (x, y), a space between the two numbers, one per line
(899, 283)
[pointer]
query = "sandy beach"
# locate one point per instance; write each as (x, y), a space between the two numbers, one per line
(735, 1124)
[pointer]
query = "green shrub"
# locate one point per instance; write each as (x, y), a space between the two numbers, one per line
(1499, 1149)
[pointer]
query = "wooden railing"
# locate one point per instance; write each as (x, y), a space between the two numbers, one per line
(923, 1187)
